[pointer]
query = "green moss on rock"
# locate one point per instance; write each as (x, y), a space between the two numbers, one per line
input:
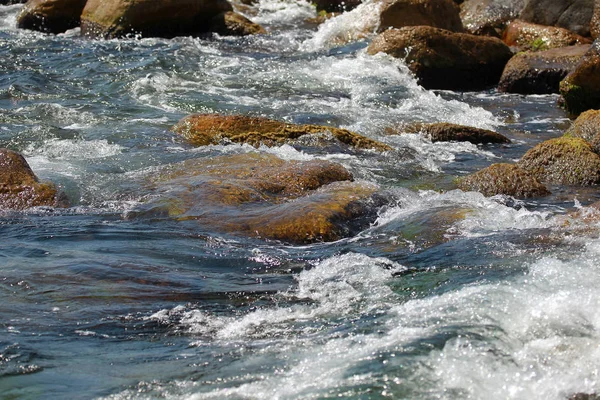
(508, 179)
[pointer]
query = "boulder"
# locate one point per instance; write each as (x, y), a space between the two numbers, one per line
(233, 24)
(564, 160)
(587, 127)
(507, 179)
(489, 17)
(336, 5)
(581, 87)
(441, 59)
(446, 132)
(540, 72)
(167, 18)
(264, 196)
(51, 16)
(437, 13)
(20, 188)
(533, 37)
(574, 15)
(207, 129)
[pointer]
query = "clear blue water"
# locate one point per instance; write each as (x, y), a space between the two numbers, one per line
(448, 295)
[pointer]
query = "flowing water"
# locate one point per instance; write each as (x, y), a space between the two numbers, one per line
(447, 295)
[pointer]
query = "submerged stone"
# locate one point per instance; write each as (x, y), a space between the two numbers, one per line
(564, 160)
(445, 132)
(264, 196)
(207, 129)
(20, 188)
(507, 179)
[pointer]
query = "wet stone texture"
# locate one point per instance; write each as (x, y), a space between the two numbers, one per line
(507, 179)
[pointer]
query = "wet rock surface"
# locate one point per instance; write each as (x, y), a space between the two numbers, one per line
(507, 179)
(587, 127)
(51, 16)
(581, 87)
(540, 72)
(445, 132)
(441, 59)
(207, 129)
(20, 188)
(437, 13)
(574, 15)
(489, 17)
(527, 36)
(264, 196)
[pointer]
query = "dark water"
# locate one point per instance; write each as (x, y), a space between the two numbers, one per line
(448, 295)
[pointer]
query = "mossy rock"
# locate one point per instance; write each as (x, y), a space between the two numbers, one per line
(207, 129)
(564, 160)
(507, 179)
(446, 132)
(581, 88)
(261, 195)
(20, 188)
(587, 127)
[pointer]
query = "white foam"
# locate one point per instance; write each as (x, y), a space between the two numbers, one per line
(286, 12)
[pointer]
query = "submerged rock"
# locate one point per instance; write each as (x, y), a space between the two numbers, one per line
(51, 16)
(540, 72)
(574, 15)
(167, 18)
(489, 17)
(441, 59)
(533, 37)
(587, 127)
(445, 132)
(437, 13)
(20, 188)
(564, 160)
(581, 87)
(207, 129)
(507, 179)
(264, 196)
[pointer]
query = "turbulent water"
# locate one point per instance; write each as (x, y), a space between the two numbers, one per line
(447, 295)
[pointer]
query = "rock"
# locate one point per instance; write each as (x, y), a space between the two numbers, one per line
(507, 179)
(20, 188)
(336, 5)
(264, 196)
(489, 17)
(581, 87)
(51, 16)
(595, 22)
(437, 13)
(533, 37)
(563, 160)
(441, 59)
(587, 127)
(167, 18)
(8, 2)
(574, 15)
(234, 24)
(446, 132)
(540, 72)
(586, 396)
(207, 129)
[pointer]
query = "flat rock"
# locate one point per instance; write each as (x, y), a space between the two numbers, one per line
(540, 72)
(261, 195)
(441, 59)
(564, 160)
(446, 132)
(207, 129)
(507, 179)
(20, 188)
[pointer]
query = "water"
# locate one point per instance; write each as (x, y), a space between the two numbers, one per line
(448, 295)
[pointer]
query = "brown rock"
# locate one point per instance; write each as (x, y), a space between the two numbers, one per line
(20, 188)
(534, 37)
(587, 127)
(52, 16)
(207, 129)
(508, 179)
(441, 59)
(540, 72)
(233, 24)
(489, 17)
(595, 22)
(564, 160)
(264, 196)
(446, 132)
(336, 5)
(437, 13)
(166, 18)
(581, 88)
(574, 15)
